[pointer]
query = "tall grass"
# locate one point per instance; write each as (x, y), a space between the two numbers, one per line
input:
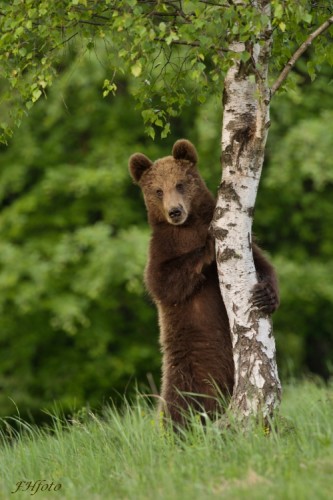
(126, 455)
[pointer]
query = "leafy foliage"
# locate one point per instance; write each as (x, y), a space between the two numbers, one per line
(75, 323)
(68, 274)
(177, 52)
(294, 214)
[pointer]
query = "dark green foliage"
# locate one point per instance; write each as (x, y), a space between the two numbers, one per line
(294, 217)
(76, 325)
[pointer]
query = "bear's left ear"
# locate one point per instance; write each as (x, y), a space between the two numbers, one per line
(137, 164)
(184, 150)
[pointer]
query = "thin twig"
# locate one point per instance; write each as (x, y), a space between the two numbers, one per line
(92, 23)
(192, 44)
(63, 42)
(292, 61)
(180, 42)
(207, 2)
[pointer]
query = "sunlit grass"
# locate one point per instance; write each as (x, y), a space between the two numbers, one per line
(127, 455)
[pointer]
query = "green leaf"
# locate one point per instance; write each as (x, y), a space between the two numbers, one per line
(245, 56)
(278, 11)
(136, 69)
(171, 38)
(166, 131)
(151, 132)
(282, 26)
(162, 27)
(311, 70)
(36, 95)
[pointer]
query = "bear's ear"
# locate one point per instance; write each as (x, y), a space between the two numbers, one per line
(137, 164)
(184, 150)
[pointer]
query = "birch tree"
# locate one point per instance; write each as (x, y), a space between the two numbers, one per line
(178, 52)
(244, 133)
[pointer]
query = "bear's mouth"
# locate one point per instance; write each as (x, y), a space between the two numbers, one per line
(177, 215)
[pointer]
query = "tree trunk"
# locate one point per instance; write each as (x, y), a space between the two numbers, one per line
(257, 389)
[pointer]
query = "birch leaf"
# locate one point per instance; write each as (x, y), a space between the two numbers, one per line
(136, 69)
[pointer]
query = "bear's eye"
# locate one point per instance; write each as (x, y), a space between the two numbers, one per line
(180, 187)
(159, 193)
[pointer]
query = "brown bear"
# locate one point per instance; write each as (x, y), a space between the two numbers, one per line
(181, 277)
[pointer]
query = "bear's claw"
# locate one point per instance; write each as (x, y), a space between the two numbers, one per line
(264, 297)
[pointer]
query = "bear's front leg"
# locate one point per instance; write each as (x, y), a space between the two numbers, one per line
(208, 254)
(265, 297)
(173, 281)
(265, 294)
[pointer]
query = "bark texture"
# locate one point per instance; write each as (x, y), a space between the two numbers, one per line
(257, 389)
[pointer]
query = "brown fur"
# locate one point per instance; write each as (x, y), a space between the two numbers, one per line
(181, 276)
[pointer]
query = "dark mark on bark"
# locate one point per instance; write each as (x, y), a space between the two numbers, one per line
(219, 213)
(227, 254)
(240, 329)
(225, 98)
(220, 234)
(238, 124)
(249, 240)
(227, 156)
(228, 193)
(241, 136)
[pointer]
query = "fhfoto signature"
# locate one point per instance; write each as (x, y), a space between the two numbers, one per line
(34, 486)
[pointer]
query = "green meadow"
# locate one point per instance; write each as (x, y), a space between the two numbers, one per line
(126, 454)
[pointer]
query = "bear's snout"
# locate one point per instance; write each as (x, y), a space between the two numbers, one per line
(175, 212)
(177, 215)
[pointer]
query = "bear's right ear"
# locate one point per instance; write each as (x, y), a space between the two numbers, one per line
(137, 164)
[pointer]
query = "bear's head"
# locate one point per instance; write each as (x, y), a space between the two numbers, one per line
(170, 185)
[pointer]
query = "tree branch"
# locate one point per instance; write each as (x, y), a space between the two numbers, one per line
(192, 44)
(63, 42)
(292, 61)
(207, 2)
(180, 42)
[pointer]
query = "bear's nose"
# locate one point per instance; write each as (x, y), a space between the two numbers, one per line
(175, 212)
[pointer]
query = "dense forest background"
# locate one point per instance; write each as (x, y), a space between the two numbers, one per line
(76, 326)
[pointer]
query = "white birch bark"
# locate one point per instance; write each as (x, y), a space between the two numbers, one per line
(257, 388)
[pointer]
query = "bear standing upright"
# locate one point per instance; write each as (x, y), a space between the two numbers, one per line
(181, 277)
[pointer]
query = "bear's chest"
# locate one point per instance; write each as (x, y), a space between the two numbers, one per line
(183, 240)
